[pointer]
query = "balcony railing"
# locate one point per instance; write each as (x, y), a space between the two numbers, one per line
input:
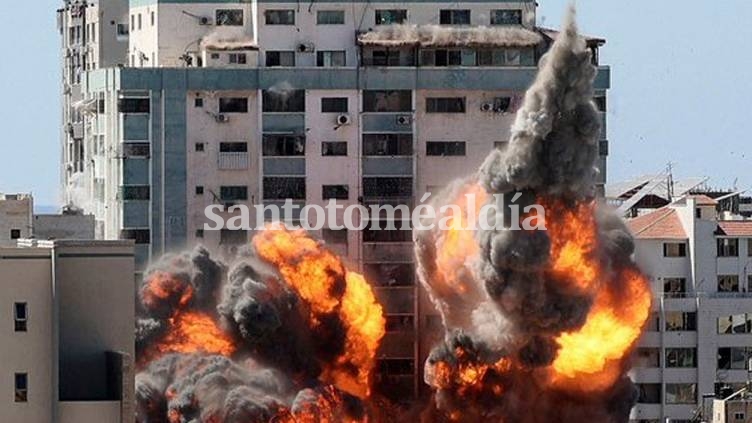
(232, 161)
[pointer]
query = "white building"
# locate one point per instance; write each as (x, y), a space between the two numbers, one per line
(67, 357)
(259, 101)
(699, 340)
(15, 218)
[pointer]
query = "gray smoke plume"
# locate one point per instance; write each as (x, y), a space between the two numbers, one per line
(437, 35)
(510, 307)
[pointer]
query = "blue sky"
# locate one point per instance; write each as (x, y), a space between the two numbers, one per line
(681, 89)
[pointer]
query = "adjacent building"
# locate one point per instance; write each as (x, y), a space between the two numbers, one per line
(67, 356)
(15, 218)
(698, 342)
(192, 103)
(735, 408)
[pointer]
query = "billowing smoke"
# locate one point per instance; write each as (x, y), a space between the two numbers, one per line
(286, 333)
(228, 38)
(539, 324)
(437, 35)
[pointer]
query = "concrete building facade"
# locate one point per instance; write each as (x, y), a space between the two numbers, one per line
(68, 354)
(699, 339)
(256, 102)
(15, 218)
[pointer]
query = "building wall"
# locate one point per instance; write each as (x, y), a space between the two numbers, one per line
(15, 215)
(64, 226)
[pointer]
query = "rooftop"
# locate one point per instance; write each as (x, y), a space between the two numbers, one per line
(736, 228)
(662, 223)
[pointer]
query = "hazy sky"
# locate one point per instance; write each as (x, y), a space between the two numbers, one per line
(680, 74)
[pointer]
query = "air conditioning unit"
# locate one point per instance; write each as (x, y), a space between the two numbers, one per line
(222, 118)
(306, 47)
(343, 119)
(486, 107)
(404, 120)
(203, 20)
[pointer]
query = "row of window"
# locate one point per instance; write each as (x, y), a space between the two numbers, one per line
(728, 358)
(725, 247)
(395, 16)
(675, 321)
(675, 393)
(677, 287)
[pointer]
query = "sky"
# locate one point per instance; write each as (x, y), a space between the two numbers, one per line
(680, 90)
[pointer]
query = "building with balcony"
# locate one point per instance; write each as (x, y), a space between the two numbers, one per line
(257, 102)
(698, 342)
(67, 354)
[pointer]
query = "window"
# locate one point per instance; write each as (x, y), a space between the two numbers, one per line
(199, 147)
(648, 357)
(749, 247)
(390, 16)
(330, 58)
(698, 213)
(390, 274)
(400, 323)
(506, 17)
(445, 105)
(283, 145)
(199, 190)
(735, 323)
(233, 236)
(441, 57)
(233, 105)
(600, 102)
(445, 148)
(739, 415)
(503, 57)
(674, 249)
(334, 236)
(681, 393)
(681, 357)
(229, 17)
(199, 233)
(15, 233)
(21, 387)
(198, 102)
(603, 147)
(20, 316)
(387, 101)
(281, 188)
(728, 283)
(292, 101)
(280, 58)
(214, 56)
(233, 193)
(335, 192)
(387, 187)
(135, 192)
(139, 21)
(233, 147)
(387, 144)
(649, 393)
(396, 366)
(280, 17)
(330, 17)
(454, 17)
(387, 57)
(677, 321)
(133, 105)
(237, 58)
(386, 235)
(734, 358)
(136, 149)
(153, 18)
(728, 247)
(140, 236)
(674, 287)
(334, 148)
(334, 105)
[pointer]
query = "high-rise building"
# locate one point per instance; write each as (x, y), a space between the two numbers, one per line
(698, 342)
(256, 102)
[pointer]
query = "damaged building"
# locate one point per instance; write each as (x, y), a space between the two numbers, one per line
(171, 106)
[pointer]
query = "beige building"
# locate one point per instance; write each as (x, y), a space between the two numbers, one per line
(15, 218)
(67, 357)
(736, 408)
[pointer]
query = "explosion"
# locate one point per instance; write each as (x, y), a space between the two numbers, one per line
(540, 324)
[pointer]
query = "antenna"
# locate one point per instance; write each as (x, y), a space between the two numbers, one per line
(670, 181)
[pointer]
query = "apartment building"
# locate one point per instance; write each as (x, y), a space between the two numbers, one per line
(15, 218)
(698, 342)
(67, 356)
(256, 102)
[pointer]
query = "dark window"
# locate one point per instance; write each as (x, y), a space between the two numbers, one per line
(334, 236)
(233, 193)
(330, 17)
(133, 105)
(735, 323)
(334, 148)
(199, 146)
(681, 393)
(280, 58)
(603, 148)
(386, 235)
(674, 249)
(122, 29)
(400, 323)
(734, 358)
(21, 387)
(233, 147)
(387, 187)
(229, 17)
(20, 316)
(334, 105)
(140, 236)
(698, 213)
(681, 321)
(237, 58)
(728, 247)
(396, 366)
(674, 287)
(728, 283)
(387, 101)
(153, 19)
(445, 105)
(100, 106)
(199, 190)
(292, 101)
(233, 236)
(281, 188)
(681, 357)
(390, 16)
(454, 17)
(441, 57)
(233, 105)
(501, 104)
(649, 393)
(336, 192)
(15, 233)
(445, 148)
(330, 58)
(390, 274)
(198, 102)
(387, 144)
(283, 145)
(600, 102)
(135, 192)
(387, 57)
(280, 17)
(199, 233)
(648, 358)
(136, 149)
(506, 17)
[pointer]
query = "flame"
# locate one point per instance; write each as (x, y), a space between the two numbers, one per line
(163, 287)
(322, 281)
(573, 235)
(194, 332)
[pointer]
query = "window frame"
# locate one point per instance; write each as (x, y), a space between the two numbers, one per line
(401, 16)
(289, 13)
(334, 104)
(453, 15)
(335, 150)
(330, 12)
(454, 105)
(495, 19)
(230, 16)
(21, 393)
(446, 149)
(232, 105)
(20, 322)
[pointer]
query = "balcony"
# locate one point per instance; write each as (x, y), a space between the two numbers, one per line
(232, 160)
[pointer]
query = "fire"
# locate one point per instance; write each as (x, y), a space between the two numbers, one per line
(164, 287)
(321, 280)
(573, 235)
(193, 332)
